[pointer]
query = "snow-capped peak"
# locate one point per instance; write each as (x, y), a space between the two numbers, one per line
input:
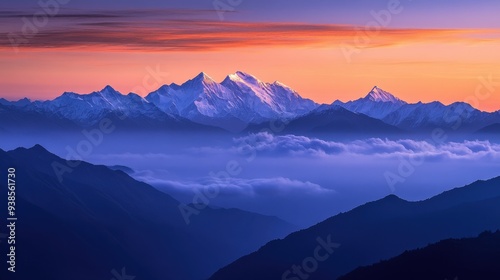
(280, 84)
(379, 95)
(203, 77)
(108, 92)
(240, 76)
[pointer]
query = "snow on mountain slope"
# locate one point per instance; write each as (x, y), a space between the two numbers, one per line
(232, 104)
(384, 106)
(269, 100)
(90, 108)
(240, 96)
(379, 95)
(200, 96)
(377, 104)
(242, 99)
(458, 115)
(416, 115)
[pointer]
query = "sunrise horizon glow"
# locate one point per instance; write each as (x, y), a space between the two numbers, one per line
(406, 48)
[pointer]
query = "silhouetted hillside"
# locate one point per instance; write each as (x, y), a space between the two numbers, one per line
(464, 259)
(97, 219)
(373, 232)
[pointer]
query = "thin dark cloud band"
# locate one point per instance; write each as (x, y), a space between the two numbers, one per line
(189, 30)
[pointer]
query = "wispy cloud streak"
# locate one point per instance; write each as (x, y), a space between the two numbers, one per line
(192, 30)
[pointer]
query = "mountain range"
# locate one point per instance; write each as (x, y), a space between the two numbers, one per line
(242, 101)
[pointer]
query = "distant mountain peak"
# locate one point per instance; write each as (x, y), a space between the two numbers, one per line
(69, 94)
(108, 92)
(38, 148)
(393, 197)
(20, 103)
(25, 99)
(108, 88)
(379, 95)
(203, 77)
(242, 76)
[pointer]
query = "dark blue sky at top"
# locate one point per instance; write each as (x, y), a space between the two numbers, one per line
(416, 13)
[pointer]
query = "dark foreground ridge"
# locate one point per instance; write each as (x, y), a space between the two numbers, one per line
(373, 232)
(471, 258)
(98, 221)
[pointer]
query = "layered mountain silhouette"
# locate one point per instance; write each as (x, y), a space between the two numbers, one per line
(384, 106)
(373, 232)
(239, 101)
(468, 258)
(338, 119)
(97, 220)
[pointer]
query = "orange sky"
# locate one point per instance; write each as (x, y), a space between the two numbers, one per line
(415, 65)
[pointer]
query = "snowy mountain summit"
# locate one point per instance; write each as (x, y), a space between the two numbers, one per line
(379, 95)
(377, 104)
(235, 103)
(240, 96)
